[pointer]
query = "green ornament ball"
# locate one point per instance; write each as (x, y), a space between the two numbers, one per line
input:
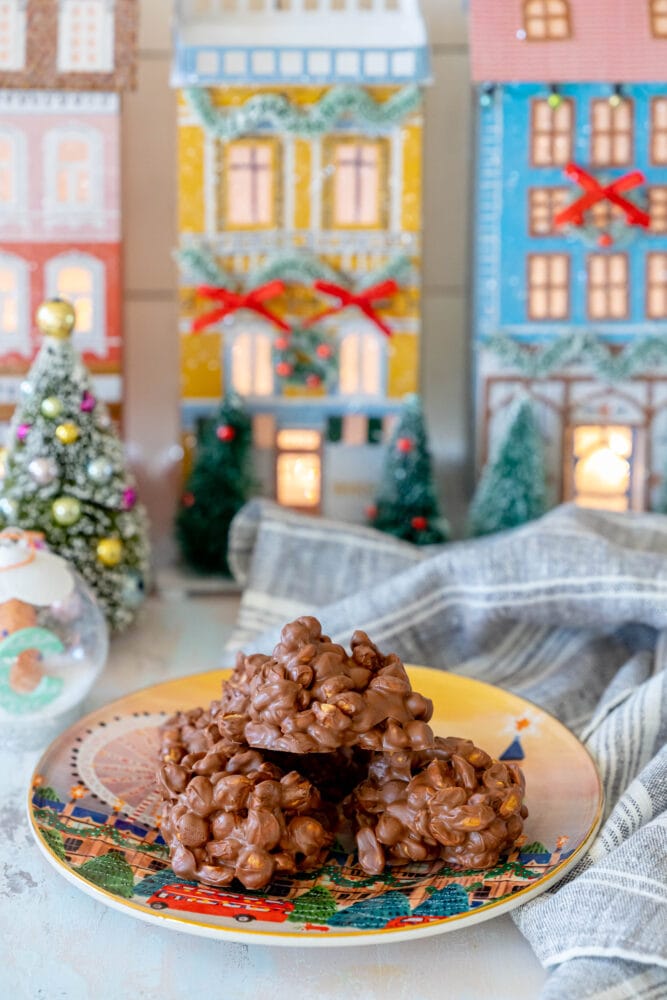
(66, 511)
(52, 407)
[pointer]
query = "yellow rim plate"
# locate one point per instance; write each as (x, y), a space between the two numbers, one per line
(92, 807)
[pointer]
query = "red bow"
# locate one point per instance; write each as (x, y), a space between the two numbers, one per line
(595, 192)
(362, 300)
(231, 302)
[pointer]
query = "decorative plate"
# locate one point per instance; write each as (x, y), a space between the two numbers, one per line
(93, 809)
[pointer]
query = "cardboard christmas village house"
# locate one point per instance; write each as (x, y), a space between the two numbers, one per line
(62, 63)
(570, 306)
(300, 134)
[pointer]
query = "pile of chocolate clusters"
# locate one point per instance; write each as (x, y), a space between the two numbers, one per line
(310, 741)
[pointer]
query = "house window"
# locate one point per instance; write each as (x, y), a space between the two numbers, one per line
(299, 468)
(611, 133)
(547, 20)
(657, 208)
(14, 292)
(608, 286)
(658, 15)
(252, 363)
(72, 844)
(80, 279)
(552, 130)
(12, 169)
(656, 286)
(544, 204)
(12, 35)
(548, 286)
(86, 36)
(360, 364)
(250, 184)
(659, 130)
(73, 167)
(605, 467)
(356, 194)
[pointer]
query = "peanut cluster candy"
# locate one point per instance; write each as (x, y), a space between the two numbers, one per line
(310, 696)
(229, 814)
(452, 802)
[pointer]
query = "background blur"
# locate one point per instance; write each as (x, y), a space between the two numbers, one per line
(149, 213)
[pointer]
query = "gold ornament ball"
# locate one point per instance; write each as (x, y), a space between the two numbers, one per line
(55, 318)
(67, 433)
(52, 407)
(110, 551)
(66, 511)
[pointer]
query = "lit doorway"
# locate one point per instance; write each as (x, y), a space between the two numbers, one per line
(299, 469)
(605, 466)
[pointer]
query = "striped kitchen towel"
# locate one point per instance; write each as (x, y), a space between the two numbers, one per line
(569, 611)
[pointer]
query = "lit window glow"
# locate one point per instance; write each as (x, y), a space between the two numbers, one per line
(360, 371)
(86, 36)
(252, 368)
(298, 477)
(603, 467)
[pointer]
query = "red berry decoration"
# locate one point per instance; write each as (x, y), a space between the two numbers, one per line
(324, 350)
(281, 344)
(405, 445)
(371, 512)
(188, 499)
(225, 433)
(419, 523)
(284, 368)
(313, 381)
(605, 240)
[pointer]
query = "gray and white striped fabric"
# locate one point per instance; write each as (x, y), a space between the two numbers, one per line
(570, 612)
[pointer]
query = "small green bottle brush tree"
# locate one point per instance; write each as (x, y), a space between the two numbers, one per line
(220, 483)
(406, 505)
(65, 474)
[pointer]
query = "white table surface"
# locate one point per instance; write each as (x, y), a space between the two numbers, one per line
(58, 944)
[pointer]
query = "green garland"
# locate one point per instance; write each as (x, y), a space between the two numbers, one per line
(581, 349)
(278, 111)
(200, 266)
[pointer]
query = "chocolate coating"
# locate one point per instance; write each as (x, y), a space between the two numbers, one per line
(229, 814)
(452, 802)
(310, 696)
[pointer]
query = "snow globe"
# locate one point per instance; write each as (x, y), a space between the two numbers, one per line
(53, 641)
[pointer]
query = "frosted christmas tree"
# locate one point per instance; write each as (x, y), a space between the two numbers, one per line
(65, 474)
(512, 489)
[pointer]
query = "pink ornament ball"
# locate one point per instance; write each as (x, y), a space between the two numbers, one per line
(129, 498)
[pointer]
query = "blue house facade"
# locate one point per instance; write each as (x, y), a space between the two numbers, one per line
(571, 281)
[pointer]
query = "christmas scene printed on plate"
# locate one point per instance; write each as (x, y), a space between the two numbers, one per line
(95, 810)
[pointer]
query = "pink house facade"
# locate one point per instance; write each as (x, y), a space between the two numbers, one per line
(62, 64)
(596, 40)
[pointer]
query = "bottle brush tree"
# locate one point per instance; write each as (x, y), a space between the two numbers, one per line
(65, 474)
(220, 483)
(406, 505)
(512, 487)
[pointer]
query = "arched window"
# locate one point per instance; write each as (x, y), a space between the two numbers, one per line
(13, 171)
(361, 364)
(547, 20)
(73, 167)
(12, 34)
(14, 304)
(86, 36)
(252, 363)
(80, 279)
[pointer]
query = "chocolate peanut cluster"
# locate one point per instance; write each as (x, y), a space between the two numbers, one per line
(312, 696)
(310, 740)
(228, 813)
(452, 802)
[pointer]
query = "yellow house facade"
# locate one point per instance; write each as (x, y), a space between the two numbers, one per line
(300, 237)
